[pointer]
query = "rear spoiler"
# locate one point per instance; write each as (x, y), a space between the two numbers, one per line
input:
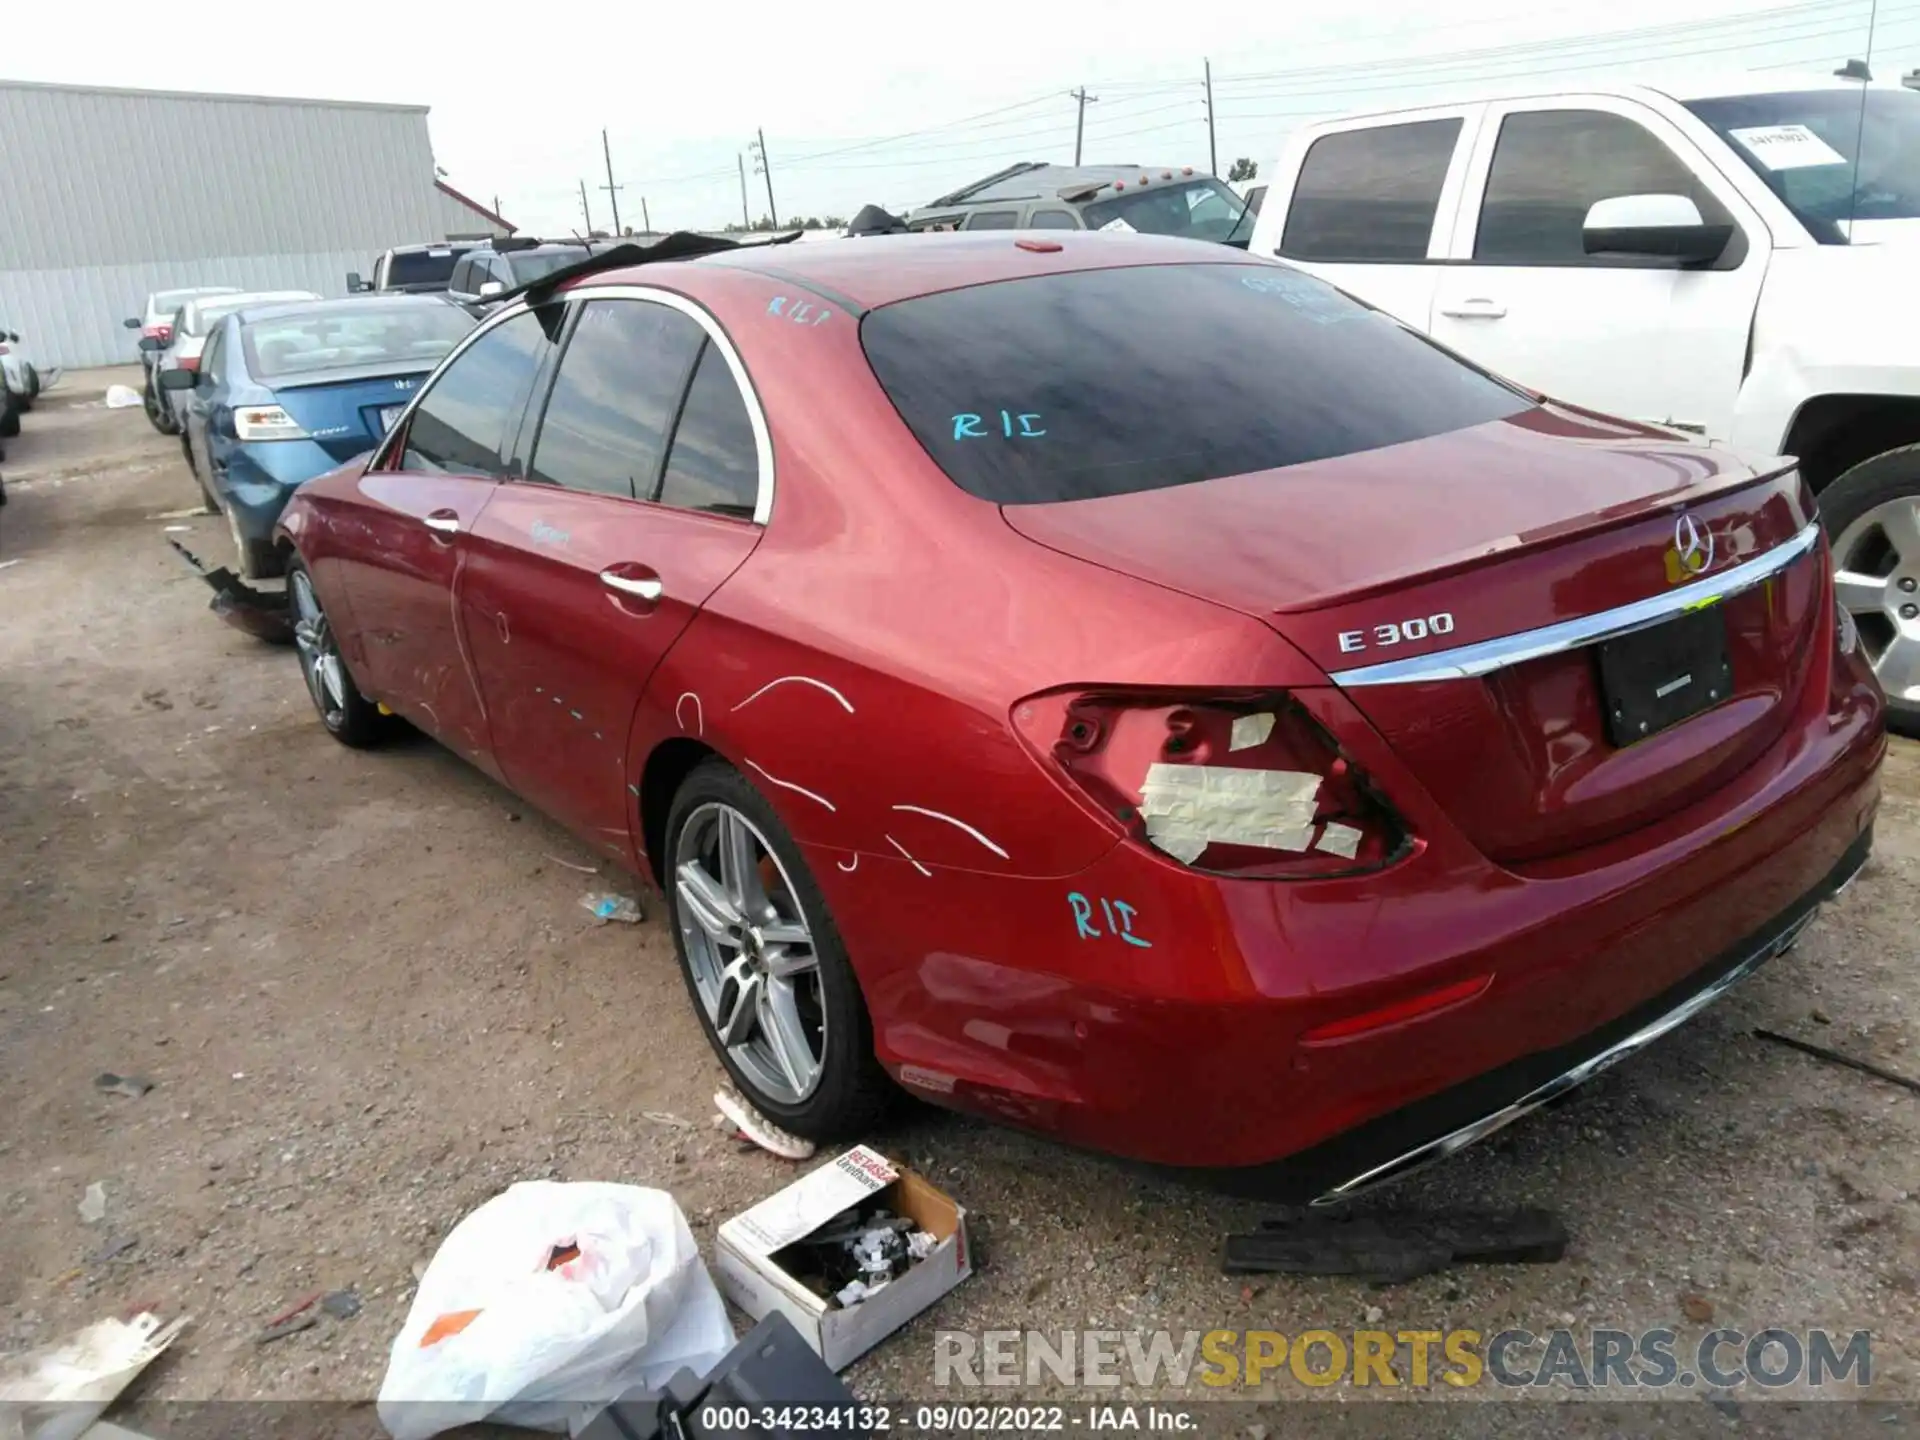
(680, 245)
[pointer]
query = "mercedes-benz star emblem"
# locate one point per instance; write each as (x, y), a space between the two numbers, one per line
(1693, 545)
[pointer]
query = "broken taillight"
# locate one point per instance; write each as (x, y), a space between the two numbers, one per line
(1239, 784)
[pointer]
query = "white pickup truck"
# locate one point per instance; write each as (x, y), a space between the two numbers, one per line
(1707, 258)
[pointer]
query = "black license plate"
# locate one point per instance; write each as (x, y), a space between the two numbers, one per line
(1660, 676)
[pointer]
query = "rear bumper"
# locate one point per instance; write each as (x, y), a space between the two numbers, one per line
(1214, 1036)
(260, 478)
(1430, 1130)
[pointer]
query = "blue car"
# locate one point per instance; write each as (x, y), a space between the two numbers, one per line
(288, 391)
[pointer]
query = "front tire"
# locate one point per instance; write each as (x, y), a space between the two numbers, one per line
(349, 716)
(764, 962)
(1872, 518)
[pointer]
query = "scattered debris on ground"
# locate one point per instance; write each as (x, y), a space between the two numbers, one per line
(1835, 1057)
(749, 1125)
(132, 1086)
(93, 1204)
(621, 908)
(1391, 1247)
(849, 1252)
(548, 1303)
(58, 1390)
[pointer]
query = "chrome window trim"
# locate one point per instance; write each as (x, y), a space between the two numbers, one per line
(1464, 662)
(756, 414)
(382, 453)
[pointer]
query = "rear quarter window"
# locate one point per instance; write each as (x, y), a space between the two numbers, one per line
(1104, 382)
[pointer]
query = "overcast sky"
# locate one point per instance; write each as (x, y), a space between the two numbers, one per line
(519, 92)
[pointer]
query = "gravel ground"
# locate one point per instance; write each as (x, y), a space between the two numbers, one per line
(368, 999)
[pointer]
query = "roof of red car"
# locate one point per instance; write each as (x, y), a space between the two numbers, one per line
(879, 269)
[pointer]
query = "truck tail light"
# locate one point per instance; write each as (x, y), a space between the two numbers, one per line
(1242, 783)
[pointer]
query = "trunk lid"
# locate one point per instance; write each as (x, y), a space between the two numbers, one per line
(1482, 534)
(347, 411)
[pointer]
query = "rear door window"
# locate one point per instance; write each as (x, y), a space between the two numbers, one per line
(1370, 195)
(994, 220)
(461, 425)
(1102, 382)
(714, 463)
(1550, 166)
(1052, 220)
(609, 414)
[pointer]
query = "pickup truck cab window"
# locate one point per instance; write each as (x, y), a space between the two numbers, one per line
(1370, 194)
(1549, 169)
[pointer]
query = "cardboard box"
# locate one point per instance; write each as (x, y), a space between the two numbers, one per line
(753, 1278)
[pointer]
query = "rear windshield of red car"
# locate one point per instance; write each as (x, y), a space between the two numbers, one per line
(1104, 382)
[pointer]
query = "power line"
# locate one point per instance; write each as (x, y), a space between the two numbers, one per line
(1585, 66)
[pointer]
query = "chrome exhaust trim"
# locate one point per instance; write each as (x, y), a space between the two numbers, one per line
(1455, 1141)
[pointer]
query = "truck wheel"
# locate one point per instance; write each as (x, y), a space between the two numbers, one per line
(1872, 519)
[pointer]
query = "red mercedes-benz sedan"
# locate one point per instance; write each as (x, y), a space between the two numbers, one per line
(1110, 684)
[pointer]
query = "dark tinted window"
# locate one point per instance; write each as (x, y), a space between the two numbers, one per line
(1052, 220)
(464, 279)
(993, 220)
(1550, 166)
(461, 424)
(713, 464)
(620, 380)
(1370, 194)
(1804, 144)
(1101, 382)
(421, 267)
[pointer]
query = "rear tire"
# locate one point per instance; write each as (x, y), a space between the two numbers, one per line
(1871, 514)
(780, 938)
(349, 716)
(10, 417)
(159, 409)
(209, 502)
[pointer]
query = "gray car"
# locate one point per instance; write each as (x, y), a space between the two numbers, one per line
(1033, 195)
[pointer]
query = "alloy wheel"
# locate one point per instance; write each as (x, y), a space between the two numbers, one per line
(751, 952)
(319, 654)
(1877, 581)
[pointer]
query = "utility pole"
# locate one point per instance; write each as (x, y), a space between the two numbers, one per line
(1213, 155)
(1080, 123)
(746, 220)
(761, 167)
(585, 214)
(646, 220)
(610, 187)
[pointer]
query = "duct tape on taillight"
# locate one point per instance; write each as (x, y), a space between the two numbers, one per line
(1239, 783)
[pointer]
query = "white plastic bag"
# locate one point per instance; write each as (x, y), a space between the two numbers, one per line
(509, 1325)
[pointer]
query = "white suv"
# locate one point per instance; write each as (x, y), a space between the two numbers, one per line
(1708, 258)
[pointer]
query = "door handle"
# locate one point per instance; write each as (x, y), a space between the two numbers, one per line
(1478, 308)
(447, 522)
(644, 588)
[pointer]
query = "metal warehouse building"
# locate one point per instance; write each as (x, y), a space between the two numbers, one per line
(106, 195)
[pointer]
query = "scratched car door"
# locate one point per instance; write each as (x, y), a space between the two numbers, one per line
(414, 512)
(637, 501)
